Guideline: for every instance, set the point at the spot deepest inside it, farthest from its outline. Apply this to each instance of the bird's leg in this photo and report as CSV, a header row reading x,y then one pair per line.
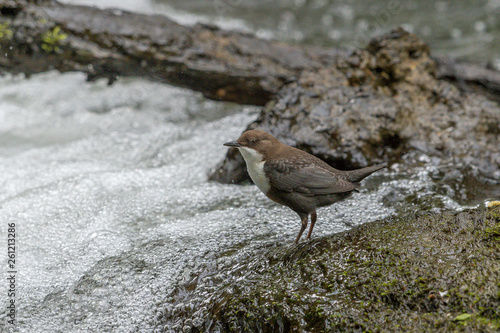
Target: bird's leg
x,y
313,220
304,225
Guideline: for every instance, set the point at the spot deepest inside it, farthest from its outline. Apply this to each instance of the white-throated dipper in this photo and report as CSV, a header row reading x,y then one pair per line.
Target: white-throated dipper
x,y
294,178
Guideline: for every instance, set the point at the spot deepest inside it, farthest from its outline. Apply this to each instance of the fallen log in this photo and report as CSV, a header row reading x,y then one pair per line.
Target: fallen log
x,y
469,76
227,66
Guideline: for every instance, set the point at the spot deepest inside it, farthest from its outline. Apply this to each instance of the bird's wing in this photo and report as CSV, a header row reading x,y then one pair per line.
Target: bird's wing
x,y
308,179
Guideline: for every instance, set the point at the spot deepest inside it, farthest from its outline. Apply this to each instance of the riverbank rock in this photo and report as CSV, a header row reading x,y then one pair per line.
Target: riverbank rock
x,y
426,272
385,104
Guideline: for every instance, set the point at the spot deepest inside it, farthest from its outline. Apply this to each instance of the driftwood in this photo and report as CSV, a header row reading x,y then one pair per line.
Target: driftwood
x,y
228,66
37,36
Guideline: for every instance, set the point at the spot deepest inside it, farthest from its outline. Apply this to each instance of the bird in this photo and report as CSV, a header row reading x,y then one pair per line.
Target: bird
x,y
295,178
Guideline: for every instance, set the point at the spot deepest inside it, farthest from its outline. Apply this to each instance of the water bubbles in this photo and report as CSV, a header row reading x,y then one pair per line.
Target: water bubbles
x,y
441,6
494,4
335,34
346,12
327,20
362,25
113,198
408,27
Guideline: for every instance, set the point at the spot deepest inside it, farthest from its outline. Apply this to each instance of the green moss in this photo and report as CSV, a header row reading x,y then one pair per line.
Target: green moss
x,y
493,232
52,39
423,273
493,324
5,32
463,316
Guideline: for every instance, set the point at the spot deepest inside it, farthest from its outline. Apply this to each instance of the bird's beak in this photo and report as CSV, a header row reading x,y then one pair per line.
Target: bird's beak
x,y
234,144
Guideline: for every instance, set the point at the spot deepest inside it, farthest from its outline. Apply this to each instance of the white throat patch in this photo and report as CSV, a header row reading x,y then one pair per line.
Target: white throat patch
x,y
255,167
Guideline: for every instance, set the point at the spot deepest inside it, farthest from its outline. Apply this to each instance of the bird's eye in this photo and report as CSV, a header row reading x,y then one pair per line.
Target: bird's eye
x,y
253,141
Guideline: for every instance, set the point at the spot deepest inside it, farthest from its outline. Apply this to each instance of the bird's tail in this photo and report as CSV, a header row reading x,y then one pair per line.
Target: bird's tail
x,y
355,176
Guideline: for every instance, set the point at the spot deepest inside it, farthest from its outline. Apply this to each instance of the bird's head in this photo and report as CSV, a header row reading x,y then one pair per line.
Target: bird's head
x,y
255,143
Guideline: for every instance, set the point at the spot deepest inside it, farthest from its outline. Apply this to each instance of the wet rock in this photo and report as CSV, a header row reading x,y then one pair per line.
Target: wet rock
x,y
383,104
426,272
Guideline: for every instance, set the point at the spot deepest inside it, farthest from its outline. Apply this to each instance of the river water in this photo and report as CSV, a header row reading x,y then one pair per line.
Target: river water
x,y
460,28
107,187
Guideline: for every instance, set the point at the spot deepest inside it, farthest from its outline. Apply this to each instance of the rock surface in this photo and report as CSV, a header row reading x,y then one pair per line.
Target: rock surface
x,y
427,272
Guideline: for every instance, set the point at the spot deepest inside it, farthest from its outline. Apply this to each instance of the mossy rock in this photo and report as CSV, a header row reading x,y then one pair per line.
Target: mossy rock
x,y
430,272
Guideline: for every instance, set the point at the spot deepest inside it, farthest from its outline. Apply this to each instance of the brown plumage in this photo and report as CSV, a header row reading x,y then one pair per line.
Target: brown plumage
x,y
294,178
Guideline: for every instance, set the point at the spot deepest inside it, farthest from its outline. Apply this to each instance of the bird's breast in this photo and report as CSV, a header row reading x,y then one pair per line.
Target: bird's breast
x,y
256,172
255,168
